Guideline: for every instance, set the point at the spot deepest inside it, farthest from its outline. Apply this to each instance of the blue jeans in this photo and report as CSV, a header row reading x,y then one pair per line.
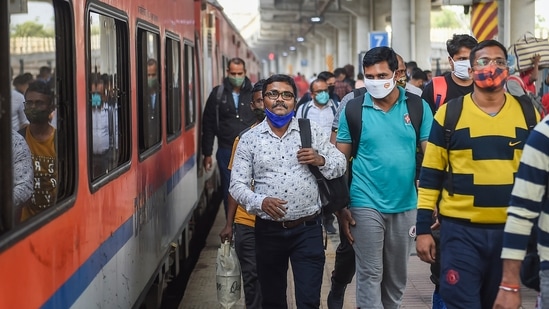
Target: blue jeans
x,y
223,156
471,266
303,247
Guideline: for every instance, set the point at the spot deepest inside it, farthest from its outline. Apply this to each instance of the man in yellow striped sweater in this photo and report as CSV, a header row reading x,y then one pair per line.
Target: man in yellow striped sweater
x,y
471,183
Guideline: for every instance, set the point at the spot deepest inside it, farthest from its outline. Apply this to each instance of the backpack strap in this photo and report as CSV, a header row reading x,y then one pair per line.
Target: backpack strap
x,y
453,112
359,91
439,90
414,104
305,110
528,109
353,113
218,95
305,132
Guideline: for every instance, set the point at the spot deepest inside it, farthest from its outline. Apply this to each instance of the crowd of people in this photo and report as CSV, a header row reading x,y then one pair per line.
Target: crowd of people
x,y
454,165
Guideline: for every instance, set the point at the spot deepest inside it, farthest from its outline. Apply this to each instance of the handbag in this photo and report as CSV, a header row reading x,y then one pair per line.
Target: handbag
x,y
334,193
227,276
525,48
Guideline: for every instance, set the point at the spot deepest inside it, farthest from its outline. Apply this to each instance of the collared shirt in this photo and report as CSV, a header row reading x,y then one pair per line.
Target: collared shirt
x,y
384,167
323,116
271,162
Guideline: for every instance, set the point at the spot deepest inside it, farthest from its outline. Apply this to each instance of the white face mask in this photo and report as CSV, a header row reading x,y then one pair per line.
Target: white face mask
x,y
379,88
461,69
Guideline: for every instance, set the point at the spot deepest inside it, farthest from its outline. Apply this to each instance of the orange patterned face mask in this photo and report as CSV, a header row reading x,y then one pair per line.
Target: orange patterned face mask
x,y
490,77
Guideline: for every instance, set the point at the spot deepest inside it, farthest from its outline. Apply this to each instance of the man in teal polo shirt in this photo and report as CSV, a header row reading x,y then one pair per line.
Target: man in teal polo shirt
x,y
383,192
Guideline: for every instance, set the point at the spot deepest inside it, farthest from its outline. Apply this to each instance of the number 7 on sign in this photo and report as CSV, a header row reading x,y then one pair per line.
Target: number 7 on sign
x,y
378,39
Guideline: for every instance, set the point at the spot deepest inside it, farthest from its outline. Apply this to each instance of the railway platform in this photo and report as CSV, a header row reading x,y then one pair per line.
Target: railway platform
x,y
201,288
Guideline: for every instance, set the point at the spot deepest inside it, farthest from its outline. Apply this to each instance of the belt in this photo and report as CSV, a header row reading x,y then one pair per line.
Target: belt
x,y
290,224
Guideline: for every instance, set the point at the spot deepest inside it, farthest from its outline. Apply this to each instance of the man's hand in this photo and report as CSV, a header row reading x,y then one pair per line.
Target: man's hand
x,y
226,233
507,300
435,225
274,207
310,156
207,163
536,59
425,247
345,221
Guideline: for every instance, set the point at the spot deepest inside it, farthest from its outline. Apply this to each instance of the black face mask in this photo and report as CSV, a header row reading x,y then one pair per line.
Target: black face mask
x,y
331,90
259,114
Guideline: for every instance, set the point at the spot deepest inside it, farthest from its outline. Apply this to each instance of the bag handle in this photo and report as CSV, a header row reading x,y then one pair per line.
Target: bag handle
x,y
524,38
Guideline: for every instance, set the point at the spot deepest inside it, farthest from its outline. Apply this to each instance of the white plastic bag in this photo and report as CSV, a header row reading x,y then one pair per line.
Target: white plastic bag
x,y
227,276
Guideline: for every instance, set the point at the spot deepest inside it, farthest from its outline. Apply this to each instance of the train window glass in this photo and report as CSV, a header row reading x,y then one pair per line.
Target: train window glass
x,y
173,86
148,89
190,91
42,100
108,123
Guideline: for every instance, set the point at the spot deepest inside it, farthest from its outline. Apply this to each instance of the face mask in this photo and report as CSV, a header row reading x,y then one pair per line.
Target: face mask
x,y
331,89
401,82
37,116
236,81
379,88
322,98
490,77
95,100
461,69
153,82
278,121
259,114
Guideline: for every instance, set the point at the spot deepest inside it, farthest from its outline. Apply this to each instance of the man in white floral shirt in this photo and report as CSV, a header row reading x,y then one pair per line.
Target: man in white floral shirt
x,y
285,197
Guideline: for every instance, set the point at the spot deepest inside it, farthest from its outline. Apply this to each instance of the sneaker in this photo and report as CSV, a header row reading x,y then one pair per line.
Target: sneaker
x,y
438,303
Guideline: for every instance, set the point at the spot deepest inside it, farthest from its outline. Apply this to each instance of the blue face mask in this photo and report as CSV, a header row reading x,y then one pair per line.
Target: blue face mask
x,y
95,100
322,98
276,120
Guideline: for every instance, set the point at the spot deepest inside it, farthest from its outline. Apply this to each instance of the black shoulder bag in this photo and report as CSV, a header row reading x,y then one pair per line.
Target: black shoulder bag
x,y
334,193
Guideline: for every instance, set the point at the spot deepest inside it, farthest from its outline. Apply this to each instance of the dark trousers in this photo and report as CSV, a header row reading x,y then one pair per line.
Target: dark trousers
x,y
471,265
223,156
244,239
344,266
303,247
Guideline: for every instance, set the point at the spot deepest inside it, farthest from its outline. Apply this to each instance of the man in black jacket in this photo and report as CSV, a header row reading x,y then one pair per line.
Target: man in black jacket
x,y
226,114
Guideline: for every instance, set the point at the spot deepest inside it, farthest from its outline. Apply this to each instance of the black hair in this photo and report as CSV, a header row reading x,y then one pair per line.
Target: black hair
x,y
314,82
236,61
258,86
458,41
484,44
22,79
325,75
41,87
44,70
279,78
380,54
339,71
411,64
417,73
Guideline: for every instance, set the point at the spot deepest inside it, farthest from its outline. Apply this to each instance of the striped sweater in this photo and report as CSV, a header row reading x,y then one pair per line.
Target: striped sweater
x,y
529,199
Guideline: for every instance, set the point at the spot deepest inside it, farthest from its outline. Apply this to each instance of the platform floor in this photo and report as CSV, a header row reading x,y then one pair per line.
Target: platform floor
x,y
201,289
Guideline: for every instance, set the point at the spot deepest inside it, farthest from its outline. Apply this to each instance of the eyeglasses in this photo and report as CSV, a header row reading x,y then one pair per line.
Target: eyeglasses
x,y
35,103
499,62
273,95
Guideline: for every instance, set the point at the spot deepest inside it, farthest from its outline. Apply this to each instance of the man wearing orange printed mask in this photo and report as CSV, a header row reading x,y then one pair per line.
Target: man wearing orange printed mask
x,y
470,177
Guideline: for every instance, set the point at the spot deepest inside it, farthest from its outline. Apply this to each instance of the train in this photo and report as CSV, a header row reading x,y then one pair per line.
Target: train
x,y
129,80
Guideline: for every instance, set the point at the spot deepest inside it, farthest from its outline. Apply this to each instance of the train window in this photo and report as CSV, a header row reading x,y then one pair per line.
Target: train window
x,y
42,97
148,72
109,142
190,91
173,86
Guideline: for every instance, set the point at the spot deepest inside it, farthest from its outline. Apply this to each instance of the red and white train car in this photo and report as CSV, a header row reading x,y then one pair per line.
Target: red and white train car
x,y
129,78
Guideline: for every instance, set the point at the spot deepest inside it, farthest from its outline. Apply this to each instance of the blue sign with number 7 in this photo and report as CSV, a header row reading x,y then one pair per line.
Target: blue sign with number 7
x,y
378,39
